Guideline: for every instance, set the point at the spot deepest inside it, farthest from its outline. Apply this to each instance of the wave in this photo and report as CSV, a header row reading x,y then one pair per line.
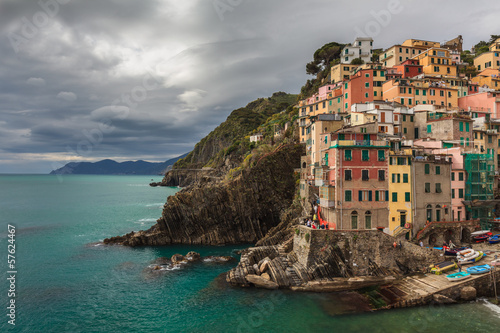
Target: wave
x,y
491,306
147,220
156,205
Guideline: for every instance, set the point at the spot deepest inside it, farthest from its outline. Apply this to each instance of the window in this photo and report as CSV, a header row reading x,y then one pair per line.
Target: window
x,y
427,169
460,176
381,175
347,155
381,155
348,196
461,126
427,187
367,95
453,193
438,187
393,177
394,196
429,128
367,84
417,92
364,175
405,178
461,193
461,141
365,156
429,213
348,174
368,220
354,220
407,196
490,138
365,195
452,176
438,170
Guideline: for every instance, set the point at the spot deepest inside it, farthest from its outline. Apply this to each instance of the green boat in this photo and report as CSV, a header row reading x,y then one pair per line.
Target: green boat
x,y
458,276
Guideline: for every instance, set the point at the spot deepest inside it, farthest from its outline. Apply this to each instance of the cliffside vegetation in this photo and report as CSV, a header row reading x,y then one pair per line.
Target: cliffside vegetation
x,y
228,144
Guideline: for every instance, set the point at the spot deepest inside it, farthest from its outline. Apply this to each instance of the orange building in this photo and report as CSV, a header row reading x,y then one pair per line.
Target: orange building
x,y
364,86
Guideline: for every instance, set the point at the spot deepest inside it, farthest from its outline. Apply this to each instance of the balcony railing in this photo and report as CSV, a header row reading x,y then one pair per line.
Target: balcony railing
x,y
360,143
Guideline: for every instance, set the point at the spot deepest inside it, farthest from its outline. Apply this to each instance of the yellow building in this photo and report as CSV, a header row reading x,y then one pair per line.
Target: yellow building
x,y
437,61
400,191
489,59
489,77
396,54
341,72
420,44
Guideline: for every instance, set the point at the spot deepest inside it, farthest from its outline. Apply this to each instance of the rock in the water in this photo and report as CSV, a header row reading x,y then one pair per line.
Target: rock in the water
x,y
266,276
218,259
256,269
177,258
441,299
261,282
192,256
468,293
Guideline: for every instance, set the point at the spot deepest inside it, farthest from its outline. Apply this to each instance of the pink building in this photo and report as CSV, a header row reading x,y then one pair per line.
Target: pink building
x,y
481,103
458,176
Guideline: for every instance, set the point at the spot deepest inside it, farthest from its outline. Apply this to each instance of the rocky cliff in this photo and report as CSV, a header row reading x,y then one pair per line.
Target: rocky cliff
x,y
238,210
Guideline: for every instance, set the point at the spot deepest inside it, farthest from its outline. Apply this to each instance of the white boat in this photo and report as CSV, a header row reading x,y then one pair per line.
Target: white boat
x,y
479,233
466,253
470,260
495,262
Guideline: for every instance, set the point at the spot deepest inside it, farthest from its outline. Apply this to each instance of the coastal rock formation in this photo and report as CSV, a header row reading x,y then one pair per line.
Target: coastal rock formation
x,y
241,210
328,260
186,177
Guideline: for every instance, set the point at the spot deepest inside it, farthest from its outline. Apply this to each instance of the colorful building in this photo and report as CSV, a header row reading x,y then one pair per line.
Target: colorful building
x,y
362,47
358,171
364,86
400,191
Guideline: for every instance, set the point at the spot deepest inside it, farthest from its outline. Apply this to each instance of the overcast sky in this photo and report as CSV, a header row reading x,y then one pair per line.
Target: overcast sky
x,y
128,79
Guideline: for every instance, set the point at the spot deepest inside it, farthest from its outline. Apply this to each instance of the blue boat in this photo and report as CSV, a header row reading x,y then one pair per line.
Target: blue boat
x,y
480,269
494,239
458,276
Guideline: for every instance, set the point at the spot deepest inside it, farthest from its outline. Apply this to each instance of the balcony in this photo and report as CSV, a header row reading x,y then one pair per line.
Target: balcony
x,y
360,143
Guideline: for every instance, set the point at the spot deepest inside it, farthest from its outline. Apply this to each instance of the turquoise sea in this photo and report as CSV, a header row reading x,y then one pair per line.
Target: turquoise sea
x,y
67,283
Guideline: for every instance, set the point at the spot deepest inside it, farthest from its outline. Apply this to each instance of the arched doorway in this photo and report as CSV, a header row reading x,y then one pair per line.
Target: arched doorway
x,y
438,212
368,219
429,213
433,239
465,236
354,220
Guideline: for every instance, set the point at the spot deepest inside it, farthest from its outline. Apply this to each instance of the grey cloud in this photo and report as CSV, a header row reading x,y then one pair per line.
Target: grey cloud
x,y
164,73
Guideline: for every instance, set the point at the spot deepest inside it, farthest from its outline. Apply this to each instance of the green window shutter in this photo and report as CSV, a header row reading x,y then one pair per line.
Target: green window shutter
x,y
393,177
460,193
407,196
453,193
466,127
461,126
394,196
365,155
429,128
347,154
399,178
376,196
438,170
405,178
427,169
386,195
360,195
381,155
348,195
460,176
467,142
461,141
369,195
452,176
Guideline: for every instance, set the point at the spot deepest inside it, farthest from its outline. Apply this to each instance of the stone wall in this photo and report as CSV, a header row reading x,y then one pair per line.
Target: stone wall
x,y
359,253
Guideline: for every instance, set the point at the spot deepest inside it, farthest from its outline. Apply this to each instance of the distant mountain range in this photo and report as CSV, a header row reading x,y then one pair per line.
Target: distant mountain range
x,y
110,167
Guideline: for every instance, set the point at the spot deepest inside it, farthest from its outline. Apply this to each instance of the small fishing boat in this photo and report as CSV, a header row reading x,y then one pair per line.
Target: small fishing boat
x,y
453,252
495,262
480,232
443,267
458,276
465,253
481,236
480,269
494,239
478,255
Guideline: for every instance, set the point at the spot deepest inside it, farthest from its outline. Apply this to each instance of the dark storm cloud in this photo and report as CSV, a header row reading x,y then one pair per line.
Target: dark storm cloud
x,y
128,79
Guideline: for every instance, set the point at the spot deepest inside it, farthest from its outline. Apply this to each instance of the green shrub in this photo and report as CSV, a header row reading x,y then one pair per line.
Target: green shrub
x,y
308,237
